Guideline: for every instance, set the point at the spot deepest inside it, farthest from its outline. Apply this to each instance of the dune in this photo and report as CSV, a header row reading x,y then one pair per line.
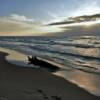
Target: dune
x,y
23,83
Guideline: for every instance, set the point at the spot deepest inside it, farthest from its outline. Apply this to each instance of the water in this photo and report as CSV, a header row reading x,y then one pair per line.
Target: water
x,y
80,56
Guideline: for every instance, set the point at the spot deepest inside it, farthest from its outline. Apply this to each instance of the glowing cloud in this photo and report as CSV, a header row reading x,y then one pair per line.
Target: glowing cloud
x,y
18,25
21,18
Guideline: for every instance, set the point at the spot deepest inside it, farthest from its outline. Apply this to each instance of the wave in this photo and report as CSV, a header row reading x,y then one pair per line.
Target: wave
x,y
48,49
81,42
55,50
60,50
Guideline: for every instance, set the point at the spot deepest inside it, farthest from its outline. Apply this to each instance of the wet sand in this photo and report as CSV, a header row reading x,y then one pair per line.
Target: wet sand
x,y
21,83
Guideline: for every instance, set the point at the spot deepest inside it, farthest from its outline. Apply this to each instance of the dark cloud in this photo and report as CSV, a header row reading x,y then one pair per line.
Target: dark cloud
x,y
78,19
79,31
61,23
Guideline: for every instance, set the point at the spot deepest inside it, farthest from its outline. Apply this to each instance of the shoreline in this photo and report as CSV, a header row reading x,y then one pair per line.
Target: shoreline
x,y
22,83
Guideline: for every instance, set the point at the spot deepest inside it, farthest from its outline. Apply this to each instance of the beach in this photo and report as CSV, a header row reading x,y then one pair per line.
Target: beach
x,y
23,83
49,49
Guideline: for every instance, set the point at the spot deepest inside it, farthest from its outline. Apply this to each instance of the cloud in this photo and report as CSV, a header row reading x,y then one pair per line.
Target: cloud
x,y
78,25
85,7
78,19
19,25
79,31
21,18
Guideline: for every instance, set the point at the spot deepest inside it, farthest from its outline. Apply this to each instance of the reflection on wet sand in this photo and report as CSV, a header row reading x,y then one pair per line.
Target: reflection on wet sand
x,y
16,58
87,81
14,54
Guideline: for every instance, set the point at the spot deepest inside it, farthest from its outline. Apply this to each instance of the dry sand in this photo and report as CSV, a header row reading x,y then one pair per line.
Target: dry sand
x,y
20,83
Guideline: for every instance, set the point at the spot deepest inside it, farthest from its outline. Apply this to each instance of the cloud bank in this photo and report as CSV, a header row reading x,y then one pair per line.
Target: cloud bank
x,y
19,25
79,25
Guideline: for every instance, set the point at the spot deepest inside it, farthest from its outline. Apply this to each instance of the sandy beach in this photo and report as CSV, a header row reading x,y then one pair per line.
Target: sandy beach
x,y
22,83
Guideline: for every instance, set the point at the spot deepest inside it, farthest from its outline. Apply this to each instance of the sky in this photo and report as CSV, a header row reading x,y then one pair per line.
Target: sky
x,y
40,17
